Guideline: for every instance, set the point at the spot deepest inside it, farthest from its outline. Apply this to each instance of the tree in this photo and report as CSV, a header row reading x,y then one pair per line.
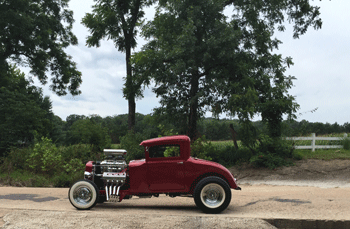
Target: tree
x,y
24,112
118,20
87,131
202,60
35,33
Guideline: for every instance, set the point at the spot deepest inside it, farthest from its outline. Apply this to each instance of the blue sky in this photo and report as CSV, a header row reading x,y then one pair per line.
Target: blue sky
x,y
321,61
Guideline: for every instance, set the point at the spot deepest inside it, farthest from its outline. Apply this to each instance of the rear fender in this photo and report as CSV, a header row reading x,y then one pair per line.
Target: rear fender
x,y
195,182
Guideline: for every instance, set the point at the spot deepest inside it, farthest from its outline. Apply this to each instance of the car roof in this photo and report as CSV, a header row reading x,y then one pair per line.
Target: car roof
x,y
166,140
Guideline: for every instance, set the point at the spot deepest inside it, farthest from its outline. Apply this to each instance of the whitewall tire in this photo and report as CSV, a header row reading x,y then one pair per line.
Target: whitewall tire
x,y
212,194
83,194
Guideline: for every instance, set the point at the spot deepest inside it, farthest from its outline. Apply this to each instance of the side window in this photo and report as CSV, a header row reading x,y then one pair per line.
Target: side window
x,y
164,151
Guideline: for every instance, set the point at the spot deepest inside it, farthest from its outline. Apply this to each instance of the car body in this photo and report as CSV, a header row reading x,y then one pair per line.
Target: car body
x,y
168,168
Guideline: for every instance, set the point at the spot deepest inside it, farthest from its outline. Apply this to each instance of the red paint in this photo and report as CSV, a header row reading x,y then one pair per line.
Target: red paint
x,y
88,166
178,174
172,174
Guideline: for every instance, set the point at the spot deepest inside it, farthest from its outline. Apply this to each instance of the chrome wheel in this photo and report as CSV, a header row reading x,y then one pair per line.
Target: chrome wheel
x,y
82,195
212,195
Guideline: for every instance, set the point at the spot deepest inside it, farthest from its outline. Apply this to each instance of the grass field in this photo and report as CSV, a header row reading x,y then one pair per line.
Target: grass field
x,y
324,154
321,154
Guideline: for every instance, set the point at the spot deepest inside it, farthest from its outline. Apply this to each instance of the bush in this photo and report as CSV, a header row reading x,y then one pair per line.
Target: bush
x,y
267,160
131,143
87,131
84,152
272,153
16,159
346,143
44,157
45,165
226,154
66,180
201,148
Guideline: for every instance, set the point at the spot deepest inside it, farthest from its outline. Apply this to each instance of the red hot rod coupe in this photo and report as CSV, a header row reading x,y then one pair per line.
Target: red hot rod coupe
x,y
167,169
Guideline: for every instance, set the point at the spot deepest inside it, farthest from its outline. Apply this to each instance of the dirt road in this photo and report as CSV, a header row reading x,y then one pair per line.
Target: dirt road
x,y
50,208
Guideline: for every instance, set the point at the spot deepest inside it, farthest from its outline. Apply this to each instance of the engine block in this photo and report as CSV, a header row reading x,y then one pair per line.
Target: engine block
x,y
112,172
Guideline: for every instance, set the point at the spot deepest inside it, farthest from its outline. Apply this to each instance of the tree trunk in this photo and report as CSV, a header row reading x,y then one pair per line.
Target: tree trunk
x,y
193,116
132,112
130,91
234,135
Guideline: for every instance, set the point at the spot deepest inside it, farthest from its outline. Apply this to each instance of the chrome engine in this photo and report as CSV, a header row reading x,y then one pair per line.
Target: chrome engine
x,y
112,172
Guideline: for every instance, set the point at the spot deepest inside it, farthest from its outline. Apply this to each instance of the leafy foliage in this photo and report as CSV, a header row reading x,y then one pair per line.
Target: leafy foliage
x,y
44,157
131,143
35,33
272,153
201,148
87,131
44,164
201,60
24,111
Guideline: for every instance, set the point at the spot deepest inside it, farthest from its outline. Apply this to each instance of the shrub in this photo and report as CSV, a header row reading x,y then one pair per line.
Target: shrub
x,y
226,154
201,148
16,159
272,153
346,143
84,152
44,157
86,131
66,180
267,160
131,143
44,164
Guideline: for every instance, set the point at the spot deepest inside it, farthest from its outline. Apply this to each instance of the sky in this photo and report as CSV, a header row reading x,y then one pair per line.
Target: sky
x,y
321,65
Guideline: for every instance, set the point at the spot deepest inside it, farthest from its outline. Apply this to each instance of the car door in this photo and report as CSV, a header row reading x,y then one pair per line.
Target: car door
x,y
165,169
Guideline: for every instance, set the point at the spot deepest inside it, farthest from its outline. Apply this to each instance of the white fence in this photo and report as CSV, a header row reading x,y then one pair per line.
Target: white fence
x,y
313,139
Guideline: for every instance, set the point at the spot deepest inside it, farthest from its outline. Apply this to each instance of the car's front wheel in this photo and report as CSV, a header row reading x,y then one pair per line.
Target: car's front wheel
x,y
212,194
83,194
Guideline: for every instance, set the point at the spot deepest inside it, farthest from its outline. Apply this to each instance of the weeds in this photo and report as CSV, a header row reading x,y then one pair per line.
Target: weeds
x,y
346,143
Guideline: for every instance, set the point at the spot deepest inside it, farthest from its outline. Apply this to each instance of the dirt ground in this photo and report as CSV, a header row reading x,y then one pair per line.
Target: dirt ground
x,y
319,173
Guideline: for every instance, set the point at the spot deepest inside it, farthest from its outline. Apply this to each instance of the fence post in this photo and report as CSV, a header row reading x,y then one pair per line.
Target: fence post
x,y
313,141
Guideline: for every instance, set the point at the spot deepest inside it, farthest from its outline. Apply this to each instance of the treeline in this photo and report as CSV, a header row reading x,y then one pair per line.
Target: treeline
x,y
304,128
103,131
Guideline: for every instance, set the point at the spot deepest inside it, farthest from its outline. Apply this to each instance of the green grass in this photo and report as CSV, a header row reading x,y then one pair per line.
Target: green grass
x,y
321,154
324,154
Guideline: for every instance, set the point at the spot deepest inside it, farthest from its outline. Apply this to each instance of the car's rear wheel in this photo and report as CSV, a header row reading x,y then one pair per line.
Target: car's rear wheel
x,y
83,194
212,194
